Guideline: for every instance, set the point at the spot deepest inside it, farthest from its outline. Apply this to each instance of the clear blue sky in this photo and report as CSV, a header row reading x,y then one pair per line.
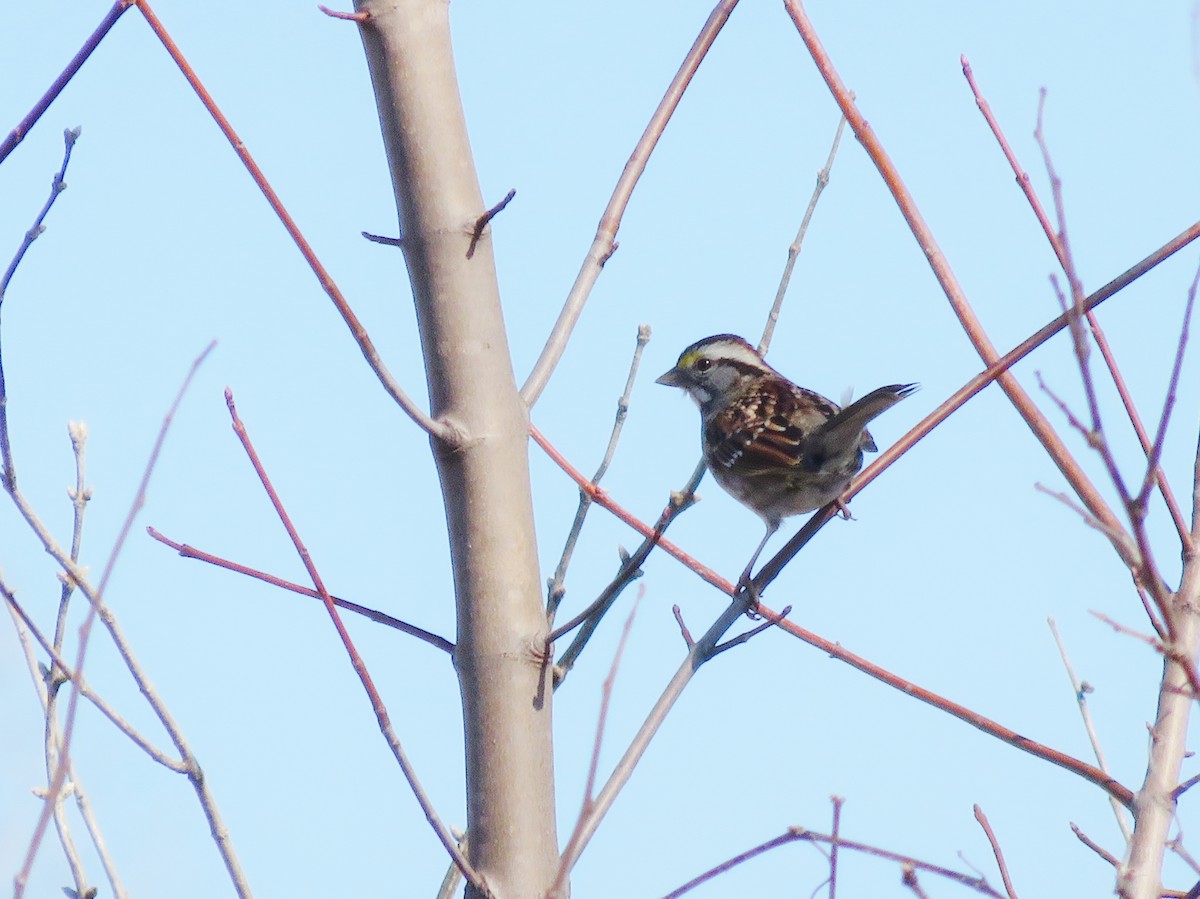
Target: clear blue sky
x,y
162,243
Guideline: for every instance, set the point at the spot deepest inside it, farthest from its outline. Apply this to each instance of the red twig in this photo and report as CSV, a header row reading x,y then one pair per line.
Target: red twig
x,y
360,668
190,552
435,428
601,498
1020,399
683,628
359,17
1023,180
991,836
770,570
1095,847
837,651
1161,646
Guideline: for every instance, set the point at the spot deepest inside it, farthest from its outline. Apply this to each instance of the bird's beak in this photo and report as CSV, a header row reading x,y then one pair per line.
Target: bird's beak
x,y
670,379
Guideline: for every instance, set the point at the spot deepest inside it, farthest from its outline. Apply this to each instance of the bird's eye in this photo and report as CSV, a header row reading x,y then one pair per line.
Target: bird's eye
x,y
703,364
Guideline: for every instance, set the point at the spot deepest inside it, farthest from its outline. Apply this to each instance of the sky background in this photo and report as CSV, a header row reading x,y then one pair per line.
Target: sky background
x,y
946,576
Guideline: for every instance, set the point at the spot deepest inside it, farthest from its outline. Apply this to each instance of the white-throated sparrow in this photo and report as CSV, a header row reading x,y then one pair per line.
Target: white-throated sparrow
x,y
777,448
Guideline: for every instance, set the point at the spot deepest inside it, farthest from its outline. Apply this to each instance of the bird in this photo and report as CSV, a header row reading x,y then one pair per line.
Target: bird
x,y
777,448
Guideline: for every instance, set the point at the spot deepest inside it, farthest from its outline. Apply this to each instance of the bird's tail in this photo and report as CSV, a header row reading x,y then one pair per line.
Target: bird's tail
x,y
841,434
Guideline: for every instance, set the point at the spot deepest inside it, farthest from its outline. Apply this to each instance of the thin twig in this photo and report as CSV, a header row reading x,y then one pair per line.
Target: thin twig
x,y
771,621
1022,402
1184,662
1186,785
57,185
8,470
800,834
835,835
683,628
1139,428
190,552
556,589
1155,453
996,851
386,241
94,596
835,650
794,250
43,678
605,240
1147,572
623,770
1015,739
1176,846
559,887
360,17
601,498
18,133
441,430
1060,251
996,367
483,221
360,668
1119,536
1081,690
1094,846
59,664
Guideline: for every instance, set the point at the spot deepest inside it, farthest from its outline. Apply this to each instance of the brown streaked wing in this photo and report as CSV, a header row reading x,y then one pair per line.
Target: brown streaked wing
x,y
760,432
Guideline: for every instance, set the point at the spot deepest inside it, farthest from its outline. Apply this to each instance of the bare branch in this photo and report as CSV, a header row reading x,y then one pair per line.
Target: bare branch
x,y
59,664
1162,647
602,499
771,569
386,241
683,628
557,587
360,668
1081,690
1057,245
800,834
836,834
57,185
772,621
442,430
559,887
1094,846
360,17
94,595
190,552
794,250
18,133
996,851
696,656
1153,468
8,471
1021,401
605,241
